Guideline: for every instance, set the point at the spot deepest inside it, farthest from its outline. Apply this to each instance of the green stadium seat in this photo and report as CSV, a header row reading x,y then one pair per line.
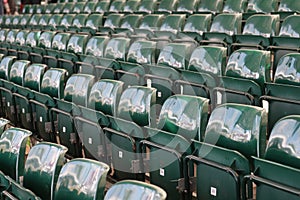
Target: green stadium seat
x,y
171,25
31,42
3,45
132,189
76,45
245,76
148,25
8,22
59,45
42,167
234,6
19,42
195,26
260,6
257,31
102,7
24,20
281,98
128,24
206,65
78,7
78,22
115,51
187,7
189,121
166,153
32,9
234,133
116,6
50,8
208,6
95,48
65,22
6,89
136,109
40,9
16,20
34,21
78,172
44,42
26,9
92,24
223,29
287,39
131,6
9,40
112,21
277,173
103,100
167,6
132,71
68,8
288,7
172,58
27,78
76,93
90,7
147,6
12,150
52,86
44,21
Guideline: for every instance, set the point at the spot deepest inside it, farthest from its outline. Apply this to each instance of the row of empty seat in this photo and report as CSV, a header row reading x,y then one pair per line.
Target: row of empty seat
x,y
284,7
234,131
46,175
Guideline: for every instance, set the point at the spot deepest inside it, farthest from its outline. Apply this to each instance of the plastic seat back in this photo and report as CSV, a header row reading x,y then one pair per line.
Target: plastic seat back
x,y
102,6
42,167
175,55
78,7
197,23
132,189
96,46
263,25
79,20
89,7
18,70
210,6
184,115
283,158
131,6
173,23
34,75
167,6
261,6
68,8
45,40
136,105
187,7
32,38
208,59
105,95
142,52
230,24
5,66
12,150
131,21
113,20
117,48
77,43
60,41
116,6
234,6
77,89
55,20
289,27
238,127
151,22
147,6
78,172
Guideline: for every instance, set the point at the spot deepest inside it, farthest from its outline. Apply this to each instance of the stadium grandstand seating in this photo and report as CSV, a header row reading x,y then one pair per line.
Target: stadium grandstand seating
x,y
150,99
